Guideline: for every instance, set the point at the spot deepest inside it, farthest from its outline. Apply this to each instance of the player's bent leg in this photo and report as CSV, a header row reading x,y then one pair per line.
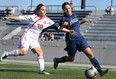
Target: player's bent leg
x,y
6,54
95,62
22,52
89,53
13,53
63,59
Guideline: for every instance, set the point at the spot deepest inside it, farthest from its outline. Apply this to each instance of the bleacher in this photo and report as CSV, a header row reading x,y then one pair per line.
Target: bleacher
x,y
17,22
2,13
3,28
104,29
54,16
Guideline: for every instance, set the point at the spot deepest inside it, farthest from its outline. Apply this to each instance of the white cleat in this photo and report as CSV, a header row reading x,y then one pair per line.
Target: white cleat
x,y
3,56
44,72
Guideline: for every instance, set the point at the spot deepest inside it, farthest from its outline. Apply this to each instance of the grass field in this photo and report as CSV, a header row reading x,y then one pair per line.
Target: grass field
x,y
30,71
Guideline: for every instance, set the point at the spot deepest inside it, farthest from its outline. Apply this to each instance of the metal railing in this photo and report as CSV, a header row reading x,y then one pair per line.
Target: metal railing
x,y
58,8
4,7
93,8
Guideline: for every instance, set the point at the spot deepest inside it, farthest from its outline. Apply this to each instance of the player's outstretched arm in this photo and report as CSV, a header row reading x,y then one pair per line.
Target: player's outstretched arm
x,y
10,18
85,20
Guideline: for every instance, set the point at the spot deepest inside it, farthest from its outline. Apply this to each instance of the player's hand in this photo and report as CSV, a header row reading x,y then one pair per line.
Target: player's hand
x,y
89,20
4,18
72,32
64,24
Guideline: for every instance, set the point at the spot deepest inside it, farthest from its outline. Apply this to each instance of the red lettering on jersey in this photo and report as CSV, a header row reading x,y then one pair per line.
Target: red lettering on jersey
x,y
40,25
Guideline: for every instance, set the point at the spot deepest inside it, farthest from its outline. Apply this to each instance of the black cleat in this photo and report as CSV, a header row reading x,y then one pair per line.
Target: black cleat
x,y
55,63
104,72
4,56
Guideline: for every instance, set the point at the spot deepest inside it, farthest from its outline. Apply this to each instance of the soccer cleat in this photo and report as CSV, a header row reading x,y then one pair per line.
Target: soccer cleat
x,y
44,72
3,56
104,72
55,63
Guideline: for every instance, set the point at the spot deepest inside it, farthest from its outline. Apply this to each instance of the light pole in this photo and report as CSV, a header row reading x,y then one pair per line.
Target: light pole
x,y
111,2
83,4
31,3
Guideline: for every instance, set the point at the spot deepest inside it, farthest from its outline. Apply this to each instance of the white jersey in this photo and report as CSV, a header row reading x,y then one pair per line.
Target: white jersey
x,y
35,27
36,24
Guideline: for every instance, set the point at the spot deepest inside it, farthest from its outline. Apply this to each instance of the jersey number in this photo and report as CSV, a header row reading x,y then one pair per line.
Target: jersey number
x,y
40,25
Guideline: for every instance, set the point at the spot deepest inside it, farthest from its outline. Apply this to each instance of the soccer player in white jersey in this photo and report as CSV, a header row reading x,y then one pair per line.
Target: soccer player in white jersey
x,y
37,23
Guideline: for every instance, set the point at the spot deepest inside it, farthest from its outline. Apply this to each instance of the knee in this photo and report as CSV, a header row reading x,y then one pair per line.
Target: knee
x,y
89,53
21,53
91,56
38,51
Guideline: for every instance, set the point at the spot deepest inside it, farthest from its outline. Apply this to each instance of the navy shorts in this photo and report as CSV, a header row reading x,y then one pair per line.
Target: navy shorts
x,y
78,44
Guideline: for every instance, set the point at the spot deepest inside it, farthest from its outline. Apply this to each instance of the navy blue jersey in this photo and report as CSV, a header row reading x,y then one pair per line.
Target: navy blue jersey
x,y
73,25
74,42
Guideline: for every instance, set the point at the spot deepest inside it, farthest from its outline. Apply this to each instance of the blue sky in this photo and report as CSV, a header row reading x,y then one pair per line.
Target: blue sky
x,y
23,4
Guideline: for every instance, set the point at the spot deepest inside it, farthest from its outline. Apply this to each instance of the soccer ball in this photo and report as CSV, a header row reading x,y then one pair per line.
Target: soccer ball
x,y
90,73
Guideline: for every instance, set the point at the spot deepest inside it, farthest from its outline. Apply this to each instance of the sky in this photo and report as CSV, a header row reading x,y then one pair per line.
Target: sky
x,y
23,4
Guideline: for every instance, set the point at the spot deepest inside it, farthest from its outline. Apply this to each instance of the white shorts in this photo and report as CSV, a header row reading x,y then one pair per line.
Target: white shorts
x,y
27,41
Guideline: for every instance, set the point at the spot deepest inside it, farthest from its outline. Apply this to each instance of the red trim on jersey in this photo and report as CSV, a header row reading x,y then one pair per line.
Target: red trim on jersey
x,y
29,28
36,17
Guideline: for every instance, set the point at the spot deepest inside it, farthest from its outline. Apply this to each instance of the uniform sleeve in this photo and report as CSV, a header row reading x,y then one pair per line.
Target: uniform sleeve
x,y
25,17
54,26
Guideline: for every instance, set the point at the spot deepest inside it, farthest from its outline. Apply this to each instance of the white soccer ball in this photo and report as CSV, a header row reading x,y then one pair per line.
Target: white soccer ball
x,y
90,73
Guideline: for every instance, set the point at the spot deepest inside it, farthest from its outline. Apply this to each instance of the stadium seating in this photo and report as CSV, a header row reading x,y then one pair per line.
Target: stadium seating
x,y
54,16
3,28
16,22
104,29
2,13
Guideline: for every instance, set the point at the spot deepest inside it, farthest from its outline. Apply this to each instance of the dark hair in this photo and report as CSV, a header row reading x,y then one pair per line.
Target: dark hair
x,y
65,3
38,8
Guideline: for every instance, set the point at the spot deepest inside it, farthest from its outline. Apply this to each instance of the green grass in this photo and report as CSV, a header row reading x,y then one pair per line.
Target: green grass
x,y
30,71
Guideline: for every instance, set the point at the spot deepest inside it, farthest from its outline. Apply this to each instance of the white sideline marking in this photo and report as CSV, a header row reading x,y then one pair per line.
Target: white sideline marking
x,y
50,64
49,69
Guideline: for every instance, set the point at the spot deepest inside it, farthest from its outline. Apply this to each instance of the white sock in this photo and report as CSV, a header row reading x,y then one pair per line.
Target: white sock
x,y
41,63
12,53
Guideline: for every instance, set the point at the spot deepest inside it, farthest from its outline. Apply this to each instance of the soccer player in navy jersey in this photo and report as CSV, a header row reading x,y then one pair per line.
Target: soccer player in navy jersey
x,y
77,41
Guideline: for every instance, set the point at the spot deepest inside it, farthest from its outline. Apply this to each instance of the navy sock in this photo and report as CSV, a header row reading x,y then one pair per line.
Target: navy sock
x,y
96,64
62,59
